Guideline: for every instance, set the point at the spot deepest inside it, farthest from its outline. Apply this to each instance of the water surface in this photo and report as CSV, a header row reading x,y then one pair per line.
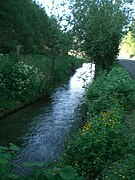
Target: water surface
x,y
40,129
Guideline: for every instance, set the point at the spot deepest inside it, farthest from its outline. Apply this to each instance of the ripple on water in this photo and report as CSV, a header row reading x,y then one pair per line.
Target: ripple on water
x,y
40,129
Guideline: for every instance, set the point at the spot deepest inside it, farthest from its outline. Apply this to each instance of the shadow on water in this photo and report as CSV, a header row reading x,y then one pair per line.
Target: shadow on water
x,y
40,129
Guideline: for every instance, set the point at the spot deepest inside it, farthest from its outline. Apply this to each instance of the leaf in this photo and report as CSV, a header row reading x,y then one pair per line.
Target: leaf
x,y
57,177
42,177
36,173
49,175
56,169
29,178
68,173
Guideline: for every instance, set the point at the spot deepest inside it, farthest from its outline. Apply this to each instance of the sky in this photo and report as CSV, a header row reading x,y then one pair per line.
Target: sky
x,y
49,5
53,7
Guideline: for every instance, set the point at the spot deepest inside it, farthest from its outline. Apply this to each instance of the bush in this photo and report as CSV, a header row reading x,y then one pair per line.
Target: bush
x,y
122,169
28,79
99,140
6,154
109,89
39,172
20,82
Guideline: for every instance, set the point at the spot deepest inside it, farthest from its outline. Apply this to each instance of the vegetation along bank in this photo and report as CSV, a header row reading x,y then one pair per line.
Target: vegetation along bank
x,y
103,148
25,80
33,54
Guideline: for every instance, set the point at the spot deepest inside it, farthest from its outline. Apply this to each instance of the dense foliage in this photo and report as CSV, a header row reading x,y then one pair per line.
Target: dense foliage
x,y
24,81
56,173
103,142
133,29
110,89
98,27
25,28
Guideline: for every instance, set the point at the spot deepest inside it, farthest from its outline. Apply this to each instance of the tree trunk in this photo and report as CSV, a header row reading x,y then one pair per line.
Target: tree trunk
x,y
97,69
53,61
18,49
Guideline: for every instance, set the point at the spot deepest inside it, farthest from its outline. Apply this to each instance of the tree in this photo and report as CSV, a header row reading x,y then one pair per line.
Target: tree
x,y
133,30
59,41
98,28
23,23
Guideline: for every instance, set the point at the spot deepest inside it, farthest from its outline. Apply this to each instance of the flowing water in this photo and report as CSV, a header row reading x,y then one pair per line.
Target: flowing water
x,y
40,130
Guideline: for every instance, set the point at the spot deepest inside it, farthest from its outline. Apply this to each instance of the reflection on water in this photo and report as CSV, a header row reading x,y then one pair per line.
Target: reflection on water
x,y
40,130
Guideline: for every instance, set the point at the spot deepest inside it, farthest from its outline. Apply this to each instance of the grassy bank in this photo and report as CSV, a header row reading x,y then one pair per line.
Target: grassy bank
x,y
104,148
24,80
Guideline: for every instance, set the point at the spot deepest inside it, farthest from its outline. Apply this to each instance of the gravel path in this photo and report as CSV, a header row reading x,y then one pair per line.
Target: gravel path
x,y
129,66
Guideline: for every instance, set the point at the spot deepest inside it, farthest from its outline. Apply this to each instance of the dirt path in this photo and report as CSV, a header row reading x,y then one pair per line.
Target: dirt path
x,y
129,66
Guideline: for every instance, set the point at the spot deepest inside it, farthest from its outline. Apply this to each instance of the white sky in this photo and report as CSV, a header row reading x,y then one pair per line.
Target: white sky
x,y
53,7
56,9
49,5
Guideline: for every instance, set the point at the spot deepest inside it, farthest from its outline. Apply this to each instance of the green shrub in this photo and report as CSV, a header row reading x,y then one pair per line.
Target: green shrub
x,y
122,169
20,82
6,154
110,88
39,172
24,80
99,140
56,173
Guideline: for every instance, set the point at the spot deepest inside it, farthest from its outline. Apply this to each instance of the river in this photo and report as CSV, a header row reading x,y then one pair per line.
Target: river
x,y
40,129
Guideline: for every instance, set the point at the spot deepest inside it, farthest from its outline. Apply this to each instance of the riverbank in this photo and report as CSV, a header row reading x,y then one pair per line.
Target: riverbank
x,y
25,80
104,147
